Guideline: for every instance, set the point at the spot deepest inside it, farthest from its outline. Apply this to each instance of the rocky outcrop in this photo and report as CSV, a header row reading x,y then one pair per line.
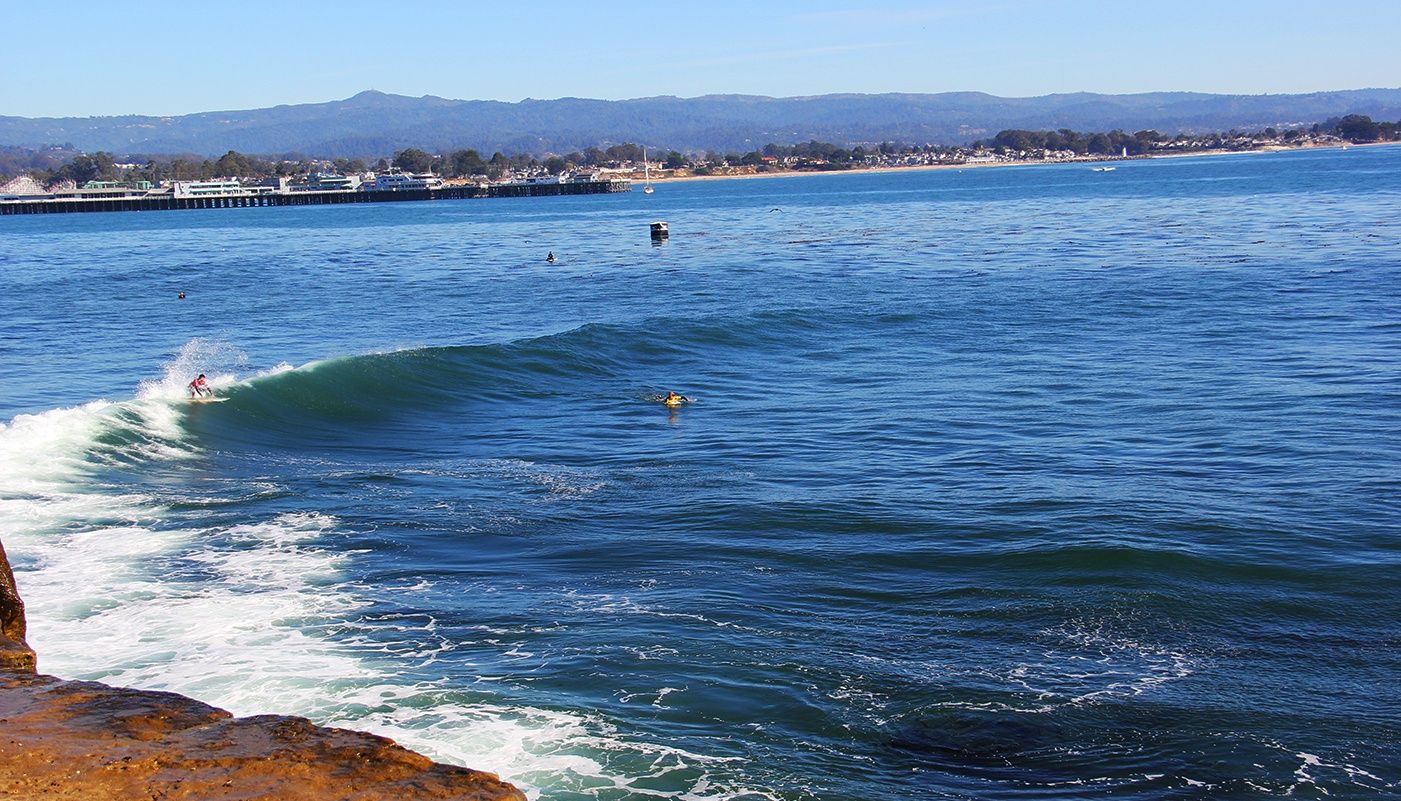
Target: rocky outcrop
x,y
62,740
83,740
15,653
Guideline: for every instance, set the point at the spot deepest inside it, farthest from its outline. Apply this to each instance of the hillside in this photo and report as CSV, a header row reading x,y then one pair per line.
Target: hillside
x,y
373,123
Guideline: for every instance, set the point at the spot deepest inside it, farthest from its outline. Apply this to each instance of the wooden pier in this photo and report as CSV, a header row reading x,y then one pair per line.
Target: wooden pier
x,y
250,200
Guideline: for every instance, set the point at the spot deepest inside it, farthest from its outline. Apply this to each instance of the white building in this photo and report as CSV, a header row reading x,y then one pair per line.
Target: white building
x,y
400,182
207,188
320,182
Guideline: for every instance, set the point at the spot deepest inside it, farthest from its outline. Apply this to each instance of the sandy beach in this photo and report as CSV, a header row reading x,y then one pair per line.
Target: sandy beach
x,y
989,164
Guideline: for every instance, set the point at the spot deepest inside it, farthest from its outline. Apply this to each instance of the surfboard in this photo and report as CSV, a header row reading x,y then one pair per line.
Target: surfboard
x,y
206,400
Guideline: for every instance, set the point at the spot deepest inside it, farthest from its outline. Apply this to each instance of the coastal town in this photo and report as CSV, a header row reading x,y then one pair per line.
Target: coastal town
x,y
99,182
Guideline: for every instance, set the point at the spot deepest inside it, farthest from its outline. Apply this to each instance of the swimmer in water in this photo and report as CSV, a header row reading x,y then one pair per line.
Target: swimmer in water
x,y
672,399
550,257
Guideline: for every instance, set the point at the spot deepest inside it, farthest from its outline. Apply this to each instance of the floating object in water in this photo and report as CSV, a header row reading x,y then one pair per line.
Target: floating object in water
x,y
550,257
672,400
181,296
659,230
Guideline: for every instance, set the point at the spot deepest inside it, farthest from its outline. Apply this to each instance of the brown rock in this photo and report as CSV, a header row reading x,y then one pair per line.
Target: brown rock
x,y
15,653
83,740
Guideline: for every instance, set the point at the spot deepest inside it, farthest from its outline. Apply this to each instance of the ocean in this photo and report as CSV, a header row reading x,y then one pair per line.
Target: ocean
x,y
1023,483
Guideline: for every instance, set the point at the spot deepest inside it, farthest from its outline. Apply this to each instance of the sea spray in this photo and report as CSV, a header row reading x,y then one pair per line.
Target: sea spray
x,y
220,361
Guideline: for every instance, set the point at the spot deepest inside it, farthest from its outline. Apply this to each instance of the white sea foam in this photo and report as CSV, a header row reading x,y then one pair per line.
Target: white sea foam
x,y
1314,771
1089,661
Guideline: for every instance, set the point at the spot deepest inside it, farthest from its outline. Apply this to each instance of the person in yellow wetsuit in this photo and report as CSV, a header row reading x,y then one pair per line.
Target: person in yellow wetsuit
x,y
673,400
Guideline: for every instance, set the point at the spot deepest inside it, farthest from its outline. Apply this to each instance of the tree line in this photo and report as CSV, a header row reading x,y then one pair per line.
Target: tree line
x,y
816,155
104,166
1359,129
47,168
467,163
1355,128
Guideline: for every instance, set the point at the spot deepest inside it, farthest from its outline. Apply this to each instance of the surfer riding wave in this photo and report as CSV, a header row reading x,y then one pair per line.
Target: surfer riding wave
x,y
199,388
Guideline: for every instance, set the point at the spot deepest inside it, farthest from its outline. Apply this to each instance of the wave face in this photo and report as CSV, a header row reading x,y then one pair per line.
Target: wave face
x,y
999,484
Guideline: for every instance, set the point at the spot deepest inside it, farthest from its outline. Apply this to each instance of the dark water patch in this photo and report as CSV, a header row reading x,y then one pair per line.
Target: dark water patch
x,y
1133,751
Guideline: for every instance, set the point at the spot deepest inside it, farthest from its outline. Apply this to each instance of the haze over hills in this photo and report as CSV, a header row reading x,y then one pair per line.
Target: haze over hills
x,y
373,124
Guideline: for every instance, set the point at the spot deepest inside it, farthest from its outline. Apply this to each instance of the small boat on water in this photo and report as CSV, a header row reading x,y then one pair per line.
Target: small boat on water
x,y
1103,169
659,230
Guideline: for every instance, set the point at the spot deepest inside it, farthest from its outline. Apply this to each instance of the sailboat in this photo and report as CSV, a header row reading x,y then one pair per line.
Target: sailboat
x,y
646,174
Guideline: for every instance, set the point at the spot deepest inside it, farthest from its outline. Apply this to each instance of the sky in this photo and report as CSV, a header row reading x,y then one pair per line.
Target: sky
x,y
162,57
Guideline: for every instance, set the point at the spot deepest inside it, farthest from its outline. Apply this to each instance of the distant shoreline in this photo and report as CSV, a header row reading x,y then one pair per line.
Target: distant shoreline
x,y
1110,160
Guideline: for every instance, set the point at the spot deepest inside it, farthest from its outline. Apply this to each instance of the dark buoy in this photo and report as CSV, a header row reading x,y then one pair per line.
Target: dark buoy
x,y
181,296
659,230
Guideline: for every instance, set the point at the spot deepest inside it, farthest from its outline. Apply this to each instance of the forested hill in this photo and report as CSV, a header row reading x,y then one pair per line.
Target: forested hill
x,y
375,124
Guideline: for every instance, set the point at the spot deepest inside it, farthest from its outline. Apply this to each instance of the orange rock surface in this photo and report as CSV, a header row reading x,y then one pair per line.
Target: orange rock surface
x,y
15,654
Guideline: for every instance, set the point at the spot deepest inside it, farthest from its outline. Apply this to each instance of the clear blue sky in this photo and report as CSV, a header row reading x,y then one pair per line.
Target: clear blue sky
x,y
166,57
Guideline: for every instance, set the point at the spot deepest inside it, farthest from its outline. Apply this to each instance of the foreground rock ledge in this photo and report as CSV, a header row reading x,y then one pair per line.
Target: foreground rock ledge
x,y
63,740
83,740
15,654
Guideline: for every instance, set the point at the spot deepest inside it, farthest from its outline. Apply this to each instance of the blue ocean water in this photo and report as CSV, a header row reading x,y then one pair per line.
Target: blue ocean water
x,y
1011,483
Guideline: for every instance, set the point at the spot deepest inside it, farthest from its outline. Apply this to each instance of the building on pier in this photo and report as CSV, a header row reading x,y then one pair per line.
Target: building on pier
x,y
266,195
399,182
208,188
319,182
144,186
